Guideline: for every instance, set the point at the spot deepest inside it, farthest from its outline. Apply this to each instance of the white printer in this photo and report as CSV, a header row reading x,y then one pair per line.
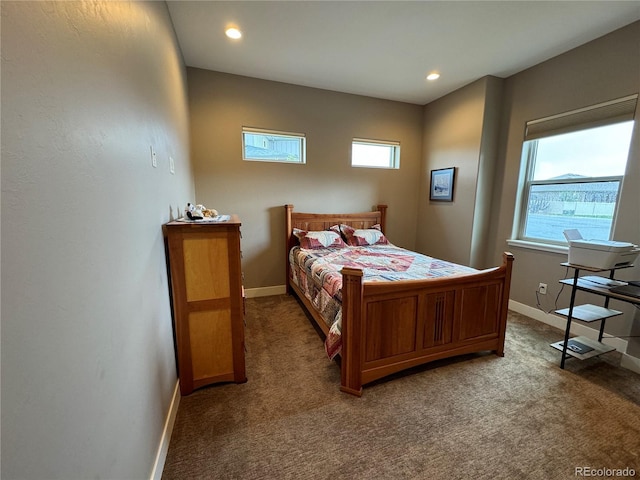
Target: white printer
x,y
604,254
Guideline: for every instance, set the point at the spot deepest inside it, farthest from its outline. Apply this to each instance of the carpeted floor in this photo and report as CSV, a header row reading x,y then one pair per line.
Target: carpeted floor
x,y
473,417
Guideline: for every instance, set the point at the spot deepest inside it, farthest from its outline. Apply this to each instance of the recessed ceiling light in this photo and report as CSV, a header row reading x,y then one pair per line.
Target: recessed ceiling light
x,y
233,32
433,76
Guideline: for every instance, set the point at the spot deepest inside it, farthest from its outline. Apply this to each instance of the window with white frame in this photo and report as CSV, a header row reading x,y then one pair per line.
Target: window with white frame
x,y
375,153
574,164
272,146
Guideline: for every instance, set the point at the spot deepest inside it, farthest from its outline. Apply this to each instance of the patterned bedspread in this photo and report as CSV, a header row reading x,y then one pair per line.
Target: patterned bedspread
x,y
317,273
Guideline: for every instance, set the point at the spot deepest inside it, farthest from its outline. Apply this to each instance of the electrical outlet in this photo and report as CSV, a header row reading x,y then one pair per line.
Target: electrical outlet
x,y
542,288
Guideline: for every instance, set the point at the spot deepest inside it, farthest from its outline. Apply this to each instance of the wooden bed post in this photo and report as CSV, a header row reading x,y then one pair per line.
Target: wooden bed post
x,y
507,261
383,217
352,340
287,246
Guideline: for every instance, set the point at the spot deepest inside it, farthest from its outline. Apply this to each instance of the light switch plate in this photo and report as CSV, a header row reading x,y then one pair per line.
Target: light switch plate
x,y
154,158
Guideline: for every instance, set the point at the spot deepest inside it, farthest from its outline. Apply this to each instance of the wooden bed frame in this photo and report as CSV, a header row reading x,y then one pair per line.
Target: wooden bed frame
x,y
388,327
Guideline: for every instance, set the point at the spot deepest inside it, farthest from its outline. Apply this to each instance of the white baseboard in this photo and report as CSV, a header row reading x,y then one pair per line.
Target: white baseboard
x,y
161,456
630,363
265,291
560,322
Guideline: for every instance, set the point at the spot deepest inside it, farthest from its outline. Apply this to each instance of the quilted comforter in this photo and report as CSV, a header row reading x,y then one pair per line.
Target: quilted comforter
x,y
317,273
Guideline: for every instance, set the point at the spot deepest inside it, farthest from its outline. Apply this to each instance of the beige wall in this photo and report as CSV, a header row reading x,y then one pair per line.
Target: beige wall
x,y
460,130
463,129
221,104
87,351
88,367
604,69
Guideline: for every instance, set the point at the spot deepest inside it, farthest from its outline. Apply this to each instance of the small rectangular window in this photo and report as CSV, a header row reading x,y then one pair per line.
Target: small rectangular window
x,y
271,146
375,153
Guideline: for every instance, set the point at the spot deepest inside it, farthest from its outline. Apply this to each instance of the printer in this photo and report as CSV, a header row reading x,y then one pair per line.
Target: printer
x,y
603,254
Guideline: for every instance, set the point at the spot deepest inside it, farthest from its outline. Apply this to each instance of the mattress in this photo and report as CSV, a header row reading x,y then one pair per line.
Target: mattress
x,y
317,273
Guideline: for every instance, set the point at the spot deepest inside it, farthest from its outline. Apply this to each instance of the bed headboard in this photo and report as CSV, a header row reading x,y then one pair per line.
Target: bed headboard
x,y
322,221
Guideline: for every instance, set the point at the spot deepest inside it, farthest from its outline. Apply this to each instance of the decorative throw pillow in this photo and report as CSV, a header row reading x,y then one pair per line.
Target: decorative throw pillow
x,y
312,240
364,237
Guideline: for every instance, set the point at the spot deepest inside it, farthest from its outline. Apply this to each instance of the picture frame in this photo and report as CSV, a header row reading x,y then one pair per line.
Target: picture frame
x,y
442,183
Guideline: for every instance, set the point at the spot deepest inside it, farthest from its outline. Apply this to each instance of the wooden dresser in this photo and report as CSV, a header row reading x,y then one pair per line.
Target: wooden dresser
x,y
208,310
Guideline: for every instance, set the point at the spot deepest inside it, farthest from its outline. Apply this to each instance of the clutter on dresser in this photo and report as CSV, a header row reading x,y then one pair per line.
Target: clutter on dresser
x,y
200,213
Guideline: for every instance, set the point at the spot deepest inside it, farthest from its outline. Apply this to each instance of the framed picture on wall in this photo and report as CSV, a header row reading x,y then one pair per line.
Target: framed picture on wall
x,y
442,182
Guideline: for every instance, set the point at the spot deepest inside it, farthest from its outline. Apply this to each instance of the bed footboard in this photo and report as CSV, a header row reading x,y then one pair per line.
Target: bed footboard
x,y
389,327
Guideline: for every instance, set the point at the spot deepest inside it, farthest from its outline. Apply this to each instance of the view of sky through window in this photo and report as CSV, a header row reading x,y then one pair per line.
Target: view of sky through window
x,y
374,155
596,152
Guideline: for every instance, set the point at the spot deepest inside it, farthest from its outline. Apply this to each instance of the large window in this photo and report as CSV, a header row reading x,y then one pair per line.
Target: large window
x,y
574,166
272,146
375,153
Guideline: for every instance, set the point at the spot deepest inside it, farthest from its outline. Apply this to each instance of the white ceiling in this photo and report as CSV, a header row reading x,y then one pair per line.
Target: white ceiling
x,y
385,49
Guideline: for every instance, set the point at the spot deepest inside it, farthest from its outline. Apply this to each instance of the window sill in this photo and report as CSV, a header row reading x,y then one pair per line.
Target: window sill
x,y
539,246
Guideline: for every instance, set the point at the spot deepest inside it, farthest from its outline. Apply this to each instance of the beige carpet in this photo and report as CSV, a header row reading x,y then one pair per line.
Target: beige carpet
x,y
474,417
